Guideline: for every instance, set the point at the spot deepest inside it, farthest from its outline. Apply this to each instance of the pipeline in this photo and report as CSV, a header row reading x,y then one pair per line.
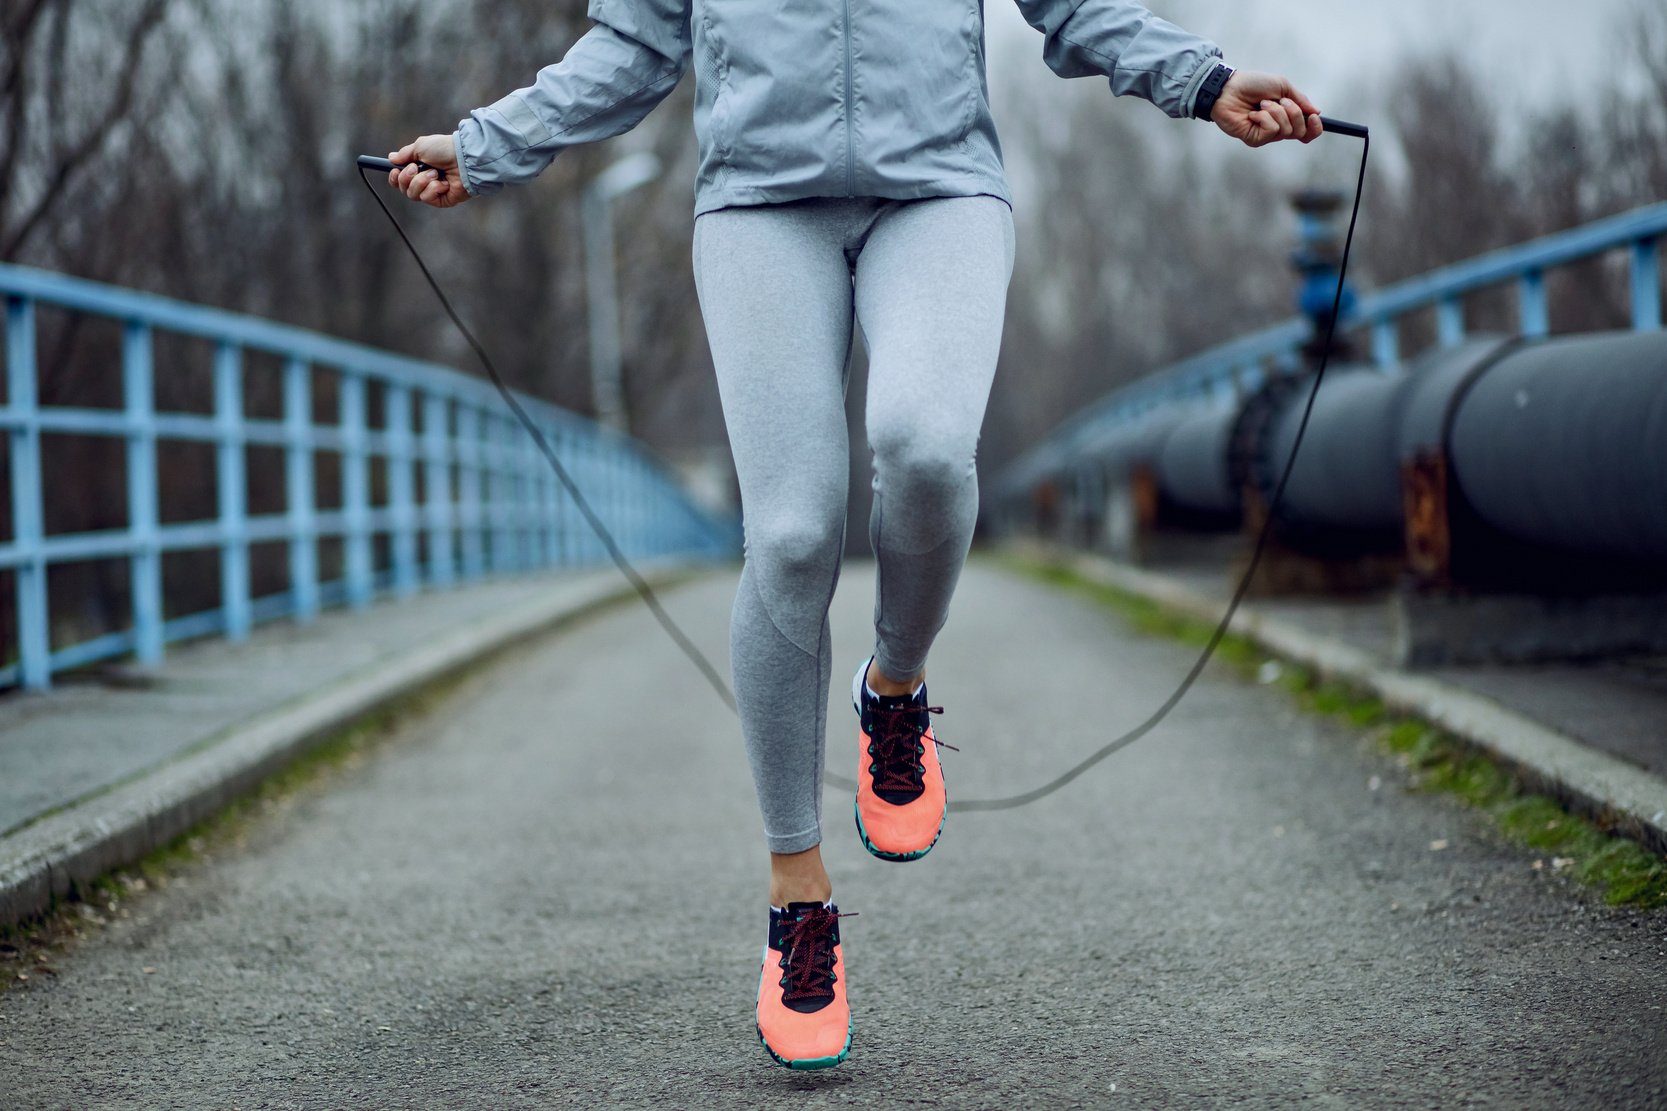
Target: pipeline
x,y
1194,469
1495,461
1555,462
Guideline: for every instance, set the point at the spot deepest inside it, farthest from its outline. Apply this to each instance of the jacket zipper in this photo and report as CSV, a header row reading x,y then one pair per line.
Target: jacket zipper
x,y
850,143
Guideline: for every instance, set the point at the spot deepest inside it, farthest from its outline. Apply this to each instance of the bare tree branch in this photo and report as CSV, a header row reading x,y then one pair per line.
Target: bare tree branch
x,y
71,162
16,35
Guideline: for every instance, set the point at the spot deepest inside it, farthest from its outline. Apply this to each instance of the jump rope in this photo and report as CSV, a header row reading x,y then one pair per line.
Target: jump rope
x,y
711,673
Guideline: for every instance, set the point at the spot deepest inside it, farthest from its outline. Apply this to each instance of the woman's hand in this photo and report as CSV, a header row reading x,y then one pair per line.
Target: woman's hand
x,y
428,186
1262,108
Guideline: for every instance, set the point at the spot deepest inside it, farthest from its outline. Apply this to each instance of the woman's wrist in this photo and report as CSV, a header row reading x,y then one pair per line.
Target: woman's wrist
x,y
462,168
1209,91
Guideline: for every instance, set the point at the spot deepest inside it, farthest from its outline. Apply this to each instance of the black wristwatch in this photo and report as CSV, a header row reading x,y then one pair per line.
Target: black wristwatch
x,y
1210,91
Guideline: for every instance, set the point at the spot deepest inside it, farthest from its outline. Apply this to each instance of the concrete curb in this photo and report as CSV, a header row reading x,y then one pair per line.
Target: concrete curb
x,y
45,861
1621,797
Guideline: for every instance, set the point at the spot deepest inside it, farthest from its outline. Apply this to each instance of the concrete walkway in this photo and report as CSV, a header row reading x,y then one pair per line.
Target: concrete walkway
x,y
1591,734
549,893
108,766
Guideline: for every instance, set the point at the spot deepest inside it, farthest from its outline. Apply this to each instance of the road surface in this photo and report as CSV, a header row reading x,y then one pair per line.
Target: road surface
x,y
550,893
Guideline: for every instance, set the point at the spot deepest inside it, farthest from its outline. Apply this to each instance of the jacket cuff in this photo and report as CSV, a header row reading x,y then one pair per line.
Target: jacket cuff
x,y
467,140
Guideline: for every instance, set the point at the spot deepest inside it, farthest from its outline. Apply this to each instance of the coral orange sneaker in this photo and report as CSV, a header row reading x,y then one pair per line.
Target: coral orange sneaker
x,y
804,1020
901,799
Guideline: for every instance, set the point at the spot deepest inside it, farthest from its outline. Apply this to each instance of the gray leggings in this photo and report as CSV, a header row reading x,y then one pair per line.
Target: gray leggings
x,y
779,287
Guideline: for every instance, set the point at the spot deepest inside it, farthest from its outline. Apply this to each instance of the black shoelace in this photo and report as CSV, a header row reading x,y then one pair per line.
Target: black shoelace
x,y
896,740
807,960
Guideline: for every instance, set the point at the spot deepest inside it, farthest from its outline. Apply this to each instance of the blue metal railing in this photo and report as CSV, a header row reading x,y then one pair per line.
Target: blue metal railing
x,y
1244,363
489,502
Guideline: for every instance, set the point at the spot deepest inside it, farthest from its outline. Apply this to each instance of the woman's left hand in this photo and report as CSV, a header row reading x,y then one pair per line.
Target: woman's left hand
x,y
1262,108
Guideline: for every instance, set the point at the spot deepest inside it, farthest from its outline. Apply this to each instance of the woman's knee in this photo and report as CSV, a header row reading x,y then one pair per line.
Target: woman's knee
x,y
933,467
794,554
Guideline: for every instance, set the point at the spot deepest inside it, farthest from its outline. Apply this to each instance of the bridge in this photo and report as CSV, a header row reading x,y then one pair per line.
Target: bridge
x,y
513,859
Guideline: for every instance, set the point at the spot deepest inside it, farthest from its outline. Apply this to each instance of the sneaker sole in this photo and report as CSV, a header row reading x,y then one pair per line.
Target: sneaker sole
x,y
896,858
806,1063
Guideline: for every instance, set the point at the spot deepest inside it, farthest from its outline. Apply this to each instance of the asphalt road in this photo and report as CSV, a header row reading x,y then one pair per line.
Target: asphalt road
x,y
550,893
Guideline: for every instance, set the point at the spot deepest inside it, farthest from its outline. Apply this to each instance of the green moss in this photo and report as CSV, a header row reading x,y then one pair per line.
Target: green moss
x,y
1331,698
1630,874
1624,871
1403,736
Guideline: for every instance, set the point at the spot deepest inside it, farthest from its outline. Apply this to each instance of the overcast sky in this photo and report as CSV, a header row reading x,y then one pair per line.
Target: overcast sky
x,y
1340,52
1540,49
1343,55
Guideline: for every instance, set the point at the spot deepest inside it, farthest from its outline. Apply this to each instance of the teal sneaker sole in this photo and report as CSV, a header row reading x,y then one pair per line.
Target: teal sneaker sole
x,y
806,1063
896,858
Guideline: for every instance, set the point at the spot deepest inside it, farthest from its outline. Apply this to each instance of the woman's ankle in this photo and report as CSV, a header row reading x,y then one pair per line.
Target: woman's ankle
x,y
799,878
885,686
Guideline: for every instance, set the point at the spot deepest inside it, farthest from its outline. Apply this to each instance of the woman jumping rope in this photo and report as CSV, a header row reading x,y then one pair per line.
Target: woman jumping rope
x,y
849,173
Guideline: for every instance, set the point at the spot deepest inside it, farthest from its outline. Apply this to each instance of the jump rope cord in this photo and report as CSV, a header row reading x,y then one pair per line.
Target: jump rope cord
x,y
646,592
1262,534
711,673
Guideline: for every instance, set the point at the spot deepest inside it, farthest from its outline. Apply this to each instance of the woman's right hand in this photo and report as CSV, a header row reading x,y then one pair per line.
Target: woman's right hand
x,y
428,186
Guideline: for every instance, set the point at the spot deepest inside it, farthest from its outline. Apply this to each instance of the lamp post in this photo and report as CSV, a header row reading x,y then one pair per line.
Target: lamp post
x,y
607,383
1317,259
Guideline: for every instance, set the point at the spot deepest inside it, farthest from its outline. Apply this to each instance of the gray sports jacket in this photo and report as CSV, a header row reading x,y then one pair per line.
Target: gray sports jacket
x,y
818,98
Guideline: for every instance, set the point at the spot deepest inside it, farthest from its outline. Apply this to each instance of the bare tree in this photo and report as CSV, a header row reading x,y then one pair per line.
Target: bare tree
x,y
1130,258
61,109
1635,112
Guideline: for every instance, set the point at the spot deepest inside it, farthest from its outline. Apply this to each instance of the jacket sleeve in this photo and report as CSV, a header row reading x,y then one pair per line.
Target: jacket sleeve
x,y
604,86
1121,40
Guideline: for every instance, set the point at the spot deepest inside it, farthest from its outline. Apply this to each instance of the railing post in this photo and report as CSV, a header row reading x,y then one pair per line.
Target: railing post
x,y
565,521
437,491
1646,285
298,487
1449,321
625,465
578,468
552,503
628,497
595,487
646,524
143,517
502,495
471,447
615,462
636,537
402,503
34,639
233,491
538,475
658,526
532,504
608,457
1534,317
520,499
356,490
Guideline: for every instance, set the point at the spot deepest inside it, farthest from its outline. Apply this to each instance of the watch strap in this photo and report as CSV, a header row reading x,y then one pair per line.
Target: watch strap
x,y
1208,93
